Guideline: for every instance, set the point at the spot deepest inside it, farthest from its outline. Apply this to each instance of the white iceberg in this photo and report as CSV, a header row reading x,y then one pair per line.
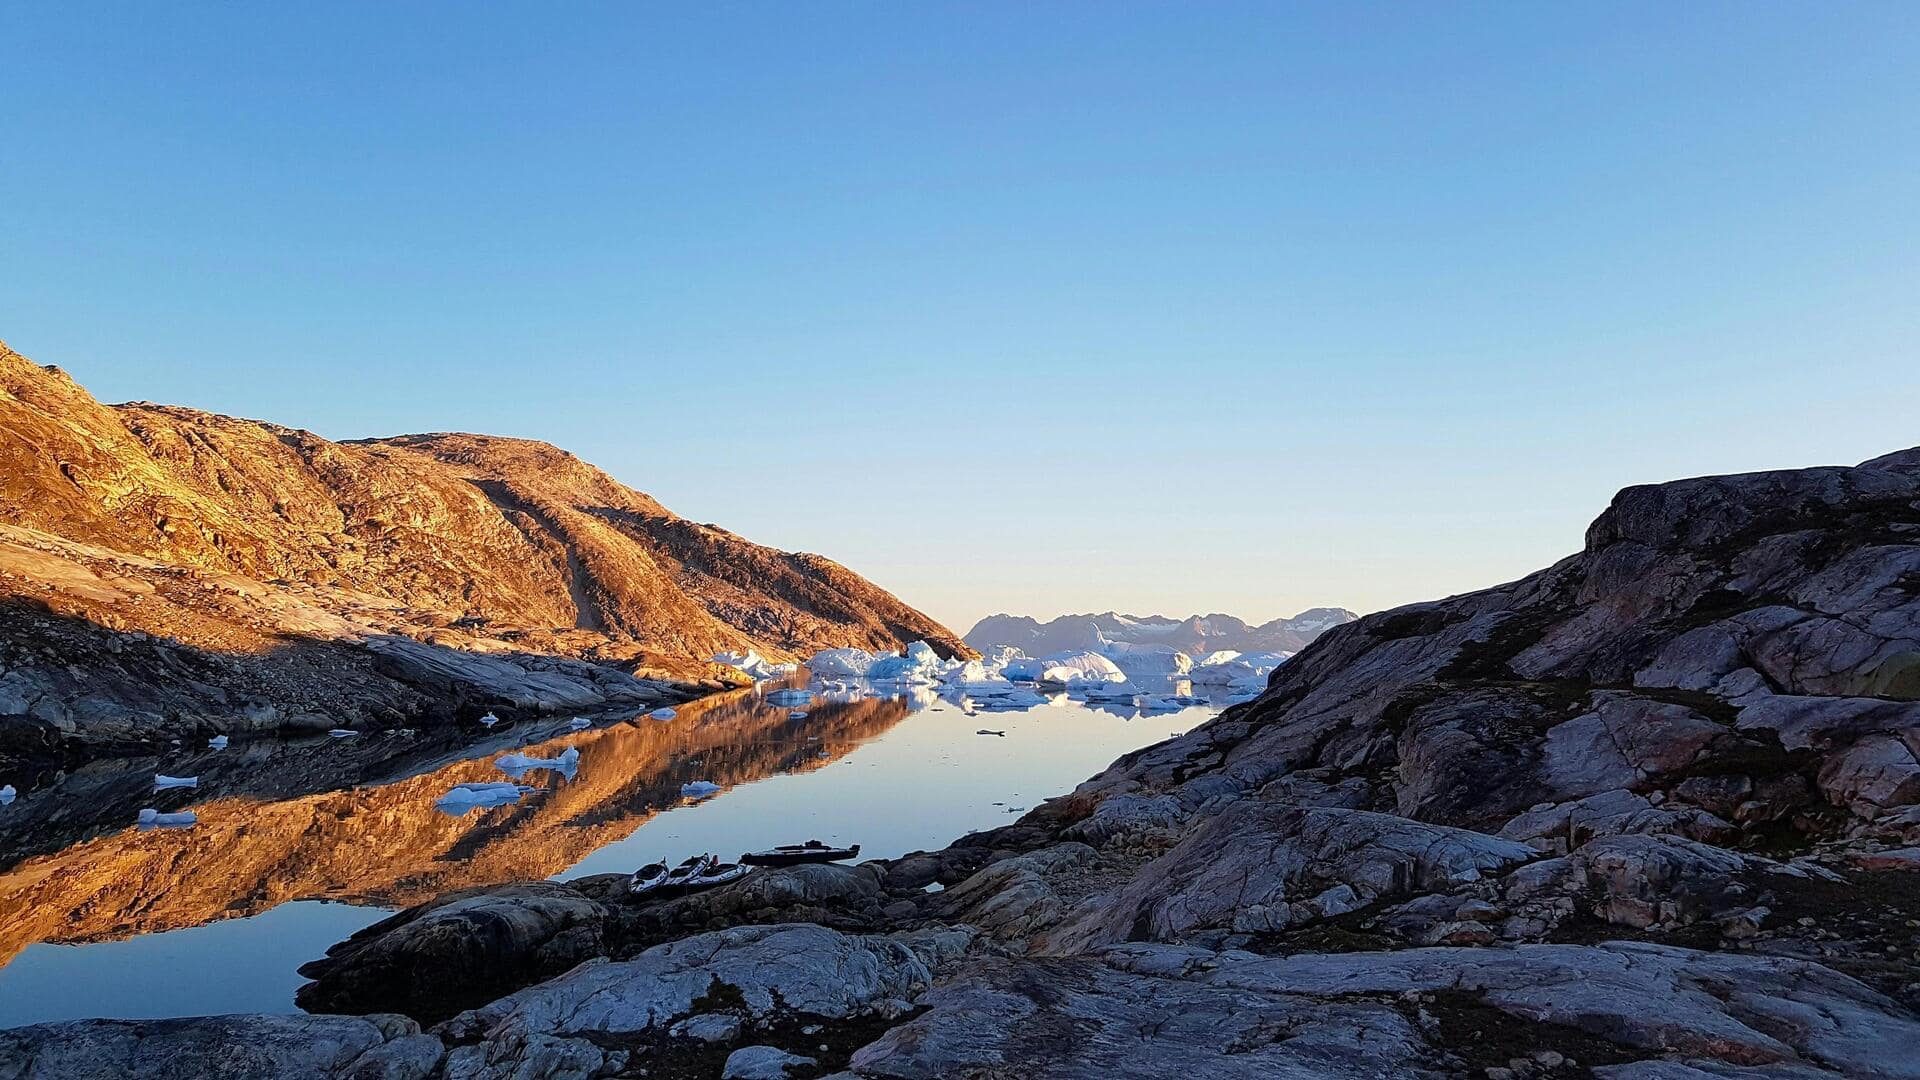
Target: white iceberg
x,y
161,781
753,665
1242,667
662,714
1065,667
579,723
218,742
154,819
7,794
465,797
790,696
1143,662
698,789
840,663
489,720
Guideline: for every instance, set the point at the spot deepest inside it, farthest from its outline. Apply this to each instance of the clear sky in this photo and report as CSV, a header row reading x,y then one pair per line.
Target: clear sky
x,y
1032,307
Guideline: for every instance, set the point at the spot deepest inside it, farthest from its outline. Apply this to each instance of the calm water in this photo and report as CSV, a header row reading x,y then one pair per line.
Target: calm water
x,y
300,844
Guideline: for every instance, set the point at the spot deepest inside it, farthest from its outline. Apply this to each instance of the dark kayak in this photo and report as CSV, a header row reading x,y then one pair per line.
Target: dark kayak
x,y
813,851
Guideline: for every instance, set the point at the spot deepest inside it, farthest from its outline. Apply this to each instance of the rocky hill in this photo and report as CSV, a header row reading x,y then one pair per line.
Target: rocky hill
x,y
1652,813
1196,635
163,568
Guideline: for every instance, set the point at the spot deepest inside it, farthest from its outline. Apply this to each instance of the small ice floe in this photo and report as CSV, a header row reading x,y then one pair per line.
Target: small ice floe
x,y
515,765
465,797
342,733
7,794
698,789
753,665
662,714
789,697
151,818
579,723
162,781
489,720
797,714
218,742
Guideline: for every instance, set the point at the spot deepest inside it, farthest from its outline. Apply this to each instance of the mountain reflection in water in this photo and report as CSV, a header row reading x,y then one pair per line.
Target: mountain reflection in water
x,y
384,845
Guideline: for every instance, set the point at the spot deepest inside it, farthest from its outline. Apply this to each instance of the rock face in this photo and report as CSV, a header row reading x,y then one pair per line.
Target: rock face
x,y
283,1047
1196,635
163,568
1648,814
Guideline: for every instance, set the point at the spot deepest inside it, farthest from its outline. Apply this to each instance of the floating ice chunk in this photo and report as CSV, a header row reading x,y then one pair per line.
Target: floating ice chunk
x,y
7,794
753,665
465,797
1105,691
579,723
218,742
790,696
1218,656
1157,703
698,789
972,671
343,733
489,720
154,819
840,663
662,714
797,714
162,781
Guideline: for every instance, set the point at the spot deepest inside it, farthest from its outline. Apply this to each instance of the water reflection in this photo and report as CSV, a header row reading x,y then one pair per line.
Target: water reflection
x,y
355,821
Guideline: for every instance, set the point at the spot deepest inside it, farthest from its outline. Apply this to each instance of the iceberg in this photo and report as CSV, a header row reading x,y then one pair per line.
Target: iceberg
x,y
840,663
465,797
698,789
489,720
7,794
579,723
662,714
154,819
1242,667
162,781
218,742
1064,667
753,665
790,696
342,733
1142,662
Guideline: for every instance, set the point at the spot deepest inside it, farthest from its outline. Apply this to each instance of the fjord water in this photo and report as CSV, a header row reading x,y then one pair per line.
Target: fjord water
x,y
298,844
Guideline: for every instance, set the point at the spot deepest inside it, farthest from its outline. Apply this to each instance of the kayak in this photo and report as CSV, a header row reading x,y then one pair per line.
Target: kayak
x,y
718,874
813,851
658,877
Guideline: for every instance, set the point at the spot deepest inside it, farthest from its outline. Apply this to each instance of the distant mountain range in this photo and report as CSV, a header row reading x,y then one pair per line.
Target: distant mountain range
x,y
1196,635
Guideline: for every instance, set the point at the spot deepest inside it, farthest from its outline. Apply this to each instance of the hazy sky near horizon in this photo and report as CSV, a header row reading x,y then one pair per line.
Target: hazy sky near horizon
x,y
1030,307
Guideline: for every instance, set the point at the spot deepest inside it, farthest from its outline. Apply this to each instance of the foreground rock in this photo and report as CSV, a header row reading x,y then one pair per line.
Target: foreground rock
x,y
281,1047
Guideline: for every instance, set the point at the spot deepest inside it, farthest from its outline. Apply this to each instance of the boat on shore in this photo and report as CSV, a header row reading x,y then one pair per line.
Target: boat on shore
x,y
813,851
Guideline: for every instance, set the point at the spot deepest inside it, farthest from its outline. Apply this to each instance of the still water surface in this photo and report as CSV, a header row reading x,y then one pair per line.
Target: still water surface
x,y
300,844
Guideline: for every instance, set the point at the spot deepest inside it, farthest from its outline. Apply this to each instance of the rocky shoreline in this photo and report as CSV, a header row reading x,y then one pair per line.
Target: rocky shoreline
x,y
1652,813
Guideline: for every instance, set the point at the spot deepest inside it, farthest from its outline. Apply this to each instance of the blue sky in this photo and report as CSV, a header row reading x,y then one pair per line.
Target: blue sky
x,y
1030,307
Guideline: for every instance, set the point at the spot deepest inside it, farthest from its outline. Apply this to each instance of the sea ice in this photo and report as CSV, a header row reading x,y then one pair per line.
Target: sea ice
x,y
218,742
698,789
162,781
154,819
465,797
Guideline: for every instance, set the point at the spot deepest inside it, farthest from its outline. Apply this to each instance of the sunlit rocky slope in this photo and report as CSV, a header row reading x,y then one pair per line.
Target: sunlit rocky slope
x,y
162,568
